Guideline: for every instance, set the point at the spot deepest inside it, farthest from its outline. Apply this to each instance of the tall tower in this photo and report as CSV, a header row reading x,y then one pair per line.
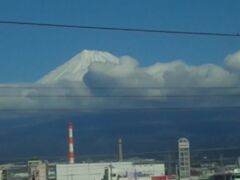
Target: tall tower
x,y
184,158
71,143
120,150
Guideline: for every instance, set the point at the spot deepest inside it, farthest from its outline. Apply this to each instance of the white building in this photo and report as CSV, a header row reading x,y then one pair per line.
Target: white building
x,y
37,170
96,171
184,158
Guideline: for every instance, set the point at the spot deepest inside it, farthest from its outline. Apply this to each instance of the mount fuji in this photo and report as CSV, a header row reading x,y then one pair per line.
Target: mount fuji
x,y
78,66
40,129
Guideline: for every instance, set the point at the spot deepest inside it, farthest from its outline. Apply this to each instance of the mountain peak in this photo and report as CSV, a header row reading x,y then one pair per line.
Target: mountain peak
x,y
94,55
78,66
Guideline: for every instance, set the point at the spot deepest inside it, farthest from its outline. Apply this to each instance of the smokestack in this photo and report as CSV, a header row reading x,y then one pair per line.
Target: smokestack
x,y
120,150
71,143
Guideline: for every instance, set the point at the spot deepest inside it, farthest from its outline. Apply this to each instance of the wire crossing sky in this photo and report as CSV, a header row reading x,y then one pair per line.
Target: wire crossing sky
x,y
127,29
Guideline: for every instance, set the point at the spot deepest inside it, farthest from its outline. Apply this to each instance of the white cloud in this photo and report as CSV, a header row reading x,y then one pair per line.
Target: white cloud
x,y
76,84
177,73
232,61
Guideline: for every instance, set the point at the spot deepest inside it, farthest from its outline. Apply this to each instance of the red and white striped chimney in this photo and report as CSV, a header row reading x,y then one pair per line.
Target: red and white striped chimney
x,y
71,143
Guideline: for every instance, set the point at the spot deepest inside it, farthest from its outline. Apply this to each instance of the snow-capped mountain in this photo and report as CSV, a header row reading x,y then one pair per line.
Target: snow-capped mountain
x,y
77,67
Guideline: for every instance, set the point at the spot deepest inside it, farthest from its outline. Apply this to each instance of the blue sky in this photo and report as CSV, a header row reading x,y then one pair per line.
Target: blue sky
x,y
27,53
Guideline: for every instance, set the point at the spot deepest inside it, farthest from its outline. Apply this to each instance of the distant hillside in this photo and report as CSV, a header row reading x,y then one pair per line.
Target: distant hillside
x,y
97,133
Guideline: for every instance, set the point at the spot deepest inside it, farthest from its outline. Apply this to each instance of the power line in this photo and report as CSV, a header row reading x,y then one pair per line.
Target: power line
x,y
131,109
162,153
119,96
114,87
108,28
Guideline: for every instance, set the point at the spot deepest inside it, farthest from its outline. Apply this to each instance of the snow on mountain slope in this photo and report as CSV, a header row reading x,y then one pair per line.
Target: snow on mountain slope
x,y
77,67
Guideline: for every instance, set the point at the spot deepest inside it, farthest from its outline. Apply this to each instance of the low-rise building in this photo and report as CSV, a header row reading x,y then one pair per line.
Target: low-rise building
x,y
37,170
97,171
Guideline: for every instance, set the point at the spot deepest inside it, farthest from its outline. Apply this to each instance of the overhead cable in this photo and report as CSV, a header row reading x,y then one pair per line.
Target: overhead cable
x,y
111,28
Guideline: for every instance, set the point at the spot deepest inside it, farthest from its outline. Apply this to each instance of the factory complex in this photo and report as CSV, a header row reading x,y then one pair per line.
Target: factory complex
x,y
141,169
107,171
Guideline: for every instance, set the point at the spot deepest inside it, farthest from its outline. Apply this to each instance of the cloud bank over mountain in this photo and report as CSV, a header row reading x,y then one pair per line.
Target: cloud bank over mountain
x,y
100,80
126,70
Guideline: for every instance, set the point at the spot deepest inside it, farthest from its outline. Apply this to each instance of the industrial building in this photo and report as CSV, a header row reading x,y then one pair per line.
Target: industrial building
x,y
37,170
184,158
105,170
115,170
